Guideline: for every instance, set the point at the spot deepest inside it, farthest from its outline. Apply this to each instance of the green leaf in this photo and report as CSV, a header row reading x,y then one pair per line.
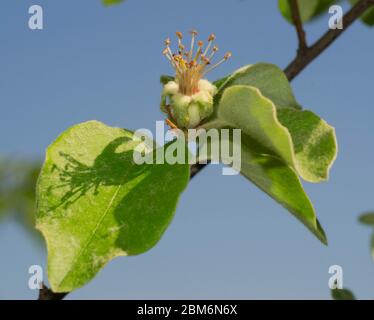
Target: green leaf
x,y
281,183
220,82
300,138
367,218
268,78
372,245
324,5
314,143
342,294
368,16
94,203
17,191
268,156
272,176
111,2
279,141
309,9
164,79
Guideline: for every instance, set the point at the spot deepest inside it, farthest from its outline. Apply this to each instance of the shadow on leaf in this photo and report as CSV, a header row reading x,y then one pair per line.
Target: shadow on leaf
x,y
110,168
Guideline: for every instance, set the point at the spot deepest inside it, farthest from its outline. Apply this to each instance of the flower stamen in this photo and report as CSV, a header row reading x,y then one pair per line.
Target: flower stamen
x,y
191,65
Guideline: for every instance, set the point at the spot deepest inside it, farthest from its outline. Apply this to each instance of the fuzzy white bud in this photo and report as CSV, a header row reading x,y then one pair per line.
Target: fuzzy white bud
x,y
187,111
171,88
205,85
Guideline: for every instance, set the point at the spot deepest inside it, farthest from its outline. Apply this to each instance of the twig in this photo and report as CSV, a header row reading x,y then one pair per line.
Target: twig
x,y
305,55
47,294
309,54
295,12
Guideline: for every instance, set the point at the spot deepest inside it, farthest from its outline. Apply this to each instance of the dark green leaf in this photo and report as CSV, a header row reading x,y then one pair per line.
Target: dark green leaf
x,y
17,191
368,16
164,79
309,9
111,2
342,294
367,218
372,245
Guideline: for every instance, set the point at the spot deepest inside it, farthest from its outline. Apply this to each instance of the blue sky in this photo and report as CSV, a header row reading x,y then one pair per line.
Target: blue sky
x,y
228,239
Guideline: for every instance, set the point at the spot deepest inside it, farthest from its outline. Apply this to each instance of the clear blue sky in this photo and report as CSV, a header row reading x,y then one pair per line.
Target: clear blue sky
x,y
228,239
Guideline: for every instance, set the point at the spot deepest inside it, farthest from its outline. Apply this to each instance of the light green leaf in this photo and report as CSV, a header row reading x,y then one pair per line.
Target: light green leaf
x,y
244,107
278,145
314,143
368,16
307,9
111,2
367,218
272,176
342,294
281,183
268,78
300,138
94,203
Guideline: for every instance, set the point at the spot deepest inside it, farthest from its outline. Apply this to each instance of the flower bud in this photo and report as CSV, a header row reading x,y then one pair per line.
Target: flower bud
x,y
188,99
188,111
171,88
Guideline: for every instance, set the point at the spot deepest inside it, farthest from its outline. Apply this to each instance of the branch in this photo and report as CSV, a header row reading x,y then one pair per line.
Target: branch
x,y
295,12
306,55
47,294
196,168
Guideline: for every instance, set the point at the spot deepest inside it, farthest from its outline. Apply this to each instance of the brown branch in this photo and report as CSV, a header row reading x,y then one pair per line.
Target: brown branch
x,y
295,12
305,56
309,54
47,294
196,168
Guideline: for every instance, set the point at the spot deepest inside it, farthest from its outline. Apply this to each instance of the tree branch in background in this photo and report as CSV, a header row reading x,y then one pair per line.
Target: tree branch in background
x,y
308,54
305,55
295,12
